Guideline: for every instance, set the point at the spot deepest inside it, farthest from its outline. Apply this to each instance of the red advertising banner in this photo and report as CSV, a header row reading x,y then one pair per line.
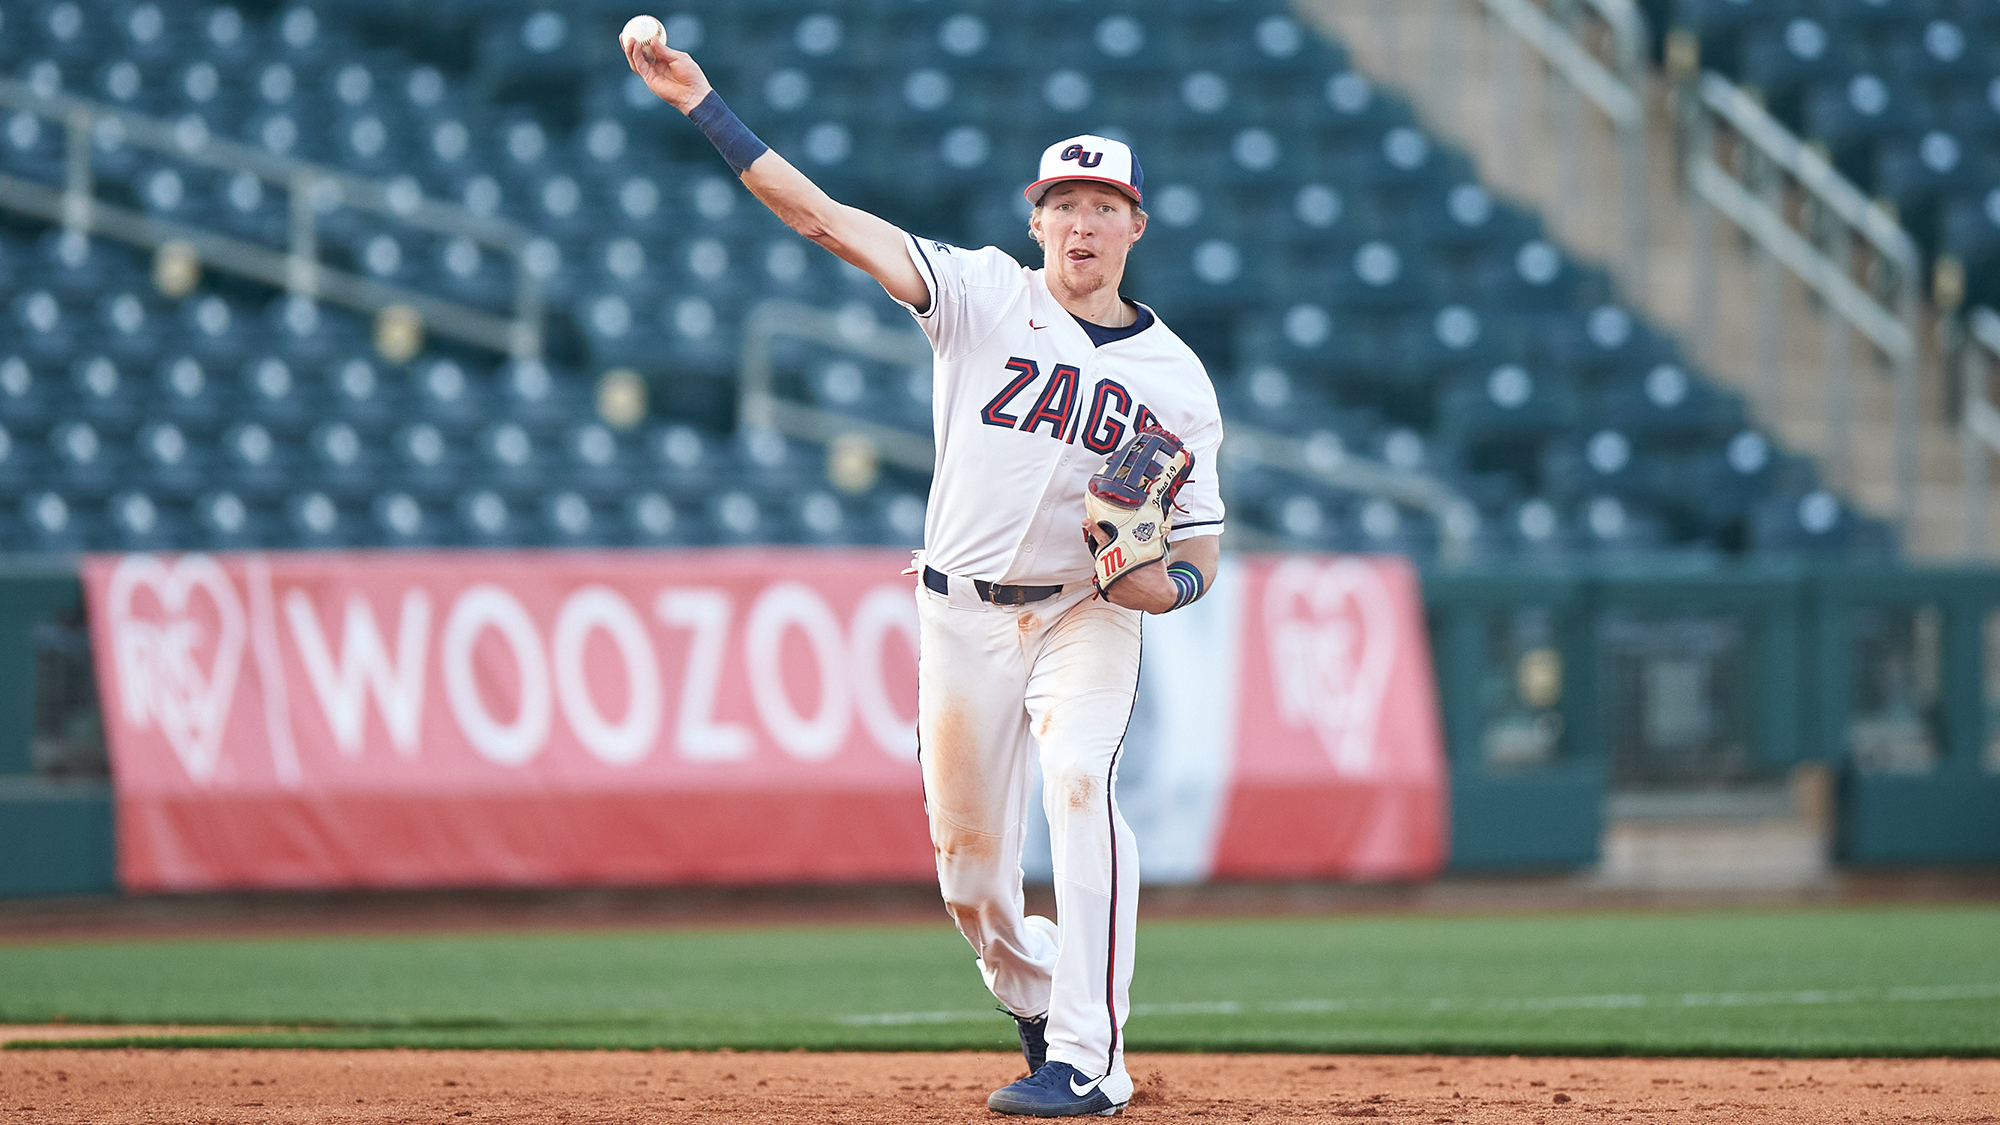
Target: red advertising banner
x,y
1339,749
432,719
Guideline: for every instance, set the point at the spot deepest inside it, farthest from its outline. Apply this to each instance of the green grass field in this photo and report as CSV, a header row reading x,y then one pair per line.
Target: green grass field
x,y
1902,981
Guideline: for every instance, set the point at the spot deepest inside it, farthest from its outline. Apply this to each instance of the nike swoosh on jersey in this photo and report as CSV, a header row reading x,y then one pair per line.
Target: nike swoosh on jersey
x,y
1086,1088
1033,325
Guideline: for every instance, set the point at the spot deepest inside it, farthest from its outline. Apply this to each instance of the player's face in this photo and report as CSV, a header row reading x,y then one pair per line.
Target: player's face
x,y
1086,230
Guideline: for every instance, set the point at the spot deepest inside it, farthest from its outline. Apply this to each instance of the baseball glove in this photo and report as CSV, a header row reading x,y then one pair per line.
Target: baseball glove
x,y
1130,504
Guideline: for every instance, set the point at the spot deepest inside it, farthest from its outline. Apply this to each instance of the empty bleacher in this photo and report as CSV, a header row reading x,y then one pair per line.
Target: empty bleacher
x,y
1344,274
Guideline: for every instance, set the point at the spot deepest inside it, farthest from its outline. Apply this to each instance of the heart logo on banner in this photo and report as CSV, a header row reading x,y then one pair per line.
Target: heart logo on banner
x,y
162,678
1331,629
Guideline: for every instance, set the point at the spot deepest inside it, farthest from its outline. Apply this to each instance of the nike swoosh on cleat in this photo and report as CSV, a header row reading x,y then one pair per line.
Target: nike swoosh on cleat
x,y
1086,1088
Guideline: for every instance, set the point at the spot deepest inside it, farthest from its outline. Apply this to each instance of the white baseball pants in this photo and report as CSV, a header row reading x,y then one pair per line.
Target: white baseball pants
x,y
1001,689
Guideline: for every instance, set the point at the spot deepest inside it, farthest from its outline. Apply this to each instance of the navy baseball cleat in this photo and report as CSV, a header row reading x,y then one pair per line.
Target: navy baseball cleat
x,y
1034,1040
1061,1090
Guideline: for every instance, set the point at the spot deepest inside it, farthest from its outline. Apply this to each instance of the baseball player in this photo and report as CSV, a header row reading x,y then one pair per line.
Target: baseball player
x,y
1056,407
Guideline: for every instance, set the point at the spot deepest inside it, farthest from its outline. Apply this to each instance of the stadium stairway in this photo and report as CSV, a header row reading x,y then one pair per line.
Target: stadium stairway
x,y
1400,44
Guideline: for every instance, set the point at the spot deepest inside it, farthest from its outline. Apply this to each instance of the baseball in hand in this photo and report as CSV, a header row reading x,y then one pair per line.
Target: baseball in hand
x,y
642,29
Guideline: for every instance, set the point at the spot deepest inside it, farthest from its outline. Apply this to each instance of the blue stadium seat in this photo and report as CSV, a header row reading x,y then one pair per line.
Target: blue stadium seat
x,y
100,393
1666,403
1801,52
82,267
539,46
509,459
256,464
737,517
486,520
1604,463
34,147
317,521
1816,523
595,462
822,518
273,396
1508,401
1936,52
216,333
172,465
652,520
569,520
85,465
183,389
23,401
1850,116
137,521
1720,25
356,390
225,520
131,329
342,462
1917,173
401,520
51,522
447,396
249,208
44,329
1603,343
425,461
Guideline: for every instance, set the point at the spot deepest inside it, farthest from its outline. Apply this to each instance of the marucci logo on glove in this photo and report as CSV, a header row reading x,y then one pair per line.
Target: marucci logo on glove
x,y
1130,503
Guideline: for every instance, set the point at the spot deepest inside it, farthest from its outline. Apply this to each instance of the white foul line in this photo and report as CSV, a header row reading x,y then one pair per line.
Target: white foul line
x,y
1898,994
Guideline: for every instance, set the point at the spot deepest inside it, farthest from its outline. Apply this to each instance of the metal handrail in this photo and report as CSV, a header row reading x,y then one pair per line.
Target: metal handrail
x,y
1618,91
1757,209
760,408
1979,422
1811,168
310,186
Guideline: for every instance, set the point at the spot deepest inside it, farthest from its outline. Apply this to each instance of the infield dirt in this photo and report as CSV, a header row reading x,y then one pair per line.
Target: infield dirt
x,y
224,1087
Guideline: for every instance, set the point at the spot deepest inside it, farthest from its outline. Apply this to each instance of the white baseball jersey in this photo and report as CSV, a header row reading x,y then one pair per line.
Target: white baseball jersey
x,y
1026,408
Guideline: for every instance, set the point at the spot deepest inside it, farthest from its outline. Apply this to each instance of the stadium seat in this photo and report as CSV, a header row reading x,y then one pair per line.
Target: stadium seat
x,y
137,521
652,520
343,465
183,389
173,466
51,523
401,520
86,466
1851,115
1800,52
256,464
1917,173
446,396
226,521
571,521
487,520
317,521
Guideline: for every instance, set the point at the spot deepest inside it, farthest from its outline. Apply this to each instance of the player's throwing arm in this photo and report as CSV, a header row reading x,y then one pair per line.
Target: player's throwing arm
x,y
859,238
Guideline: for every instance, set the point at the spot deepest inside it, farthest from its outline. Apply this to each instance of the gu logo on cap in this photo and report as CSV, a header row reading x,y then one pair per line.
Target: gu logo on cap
x,y
1089,157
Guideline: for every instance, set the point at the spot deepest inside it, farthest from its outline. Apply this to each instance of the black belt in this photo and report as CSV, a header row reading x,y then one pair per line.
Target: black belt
x,y
991,591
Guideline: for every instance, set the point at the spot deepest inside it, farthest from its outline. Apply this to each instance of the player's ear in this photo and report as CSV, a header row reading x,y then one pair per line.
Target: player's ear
x,y
1035,224
1138,222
